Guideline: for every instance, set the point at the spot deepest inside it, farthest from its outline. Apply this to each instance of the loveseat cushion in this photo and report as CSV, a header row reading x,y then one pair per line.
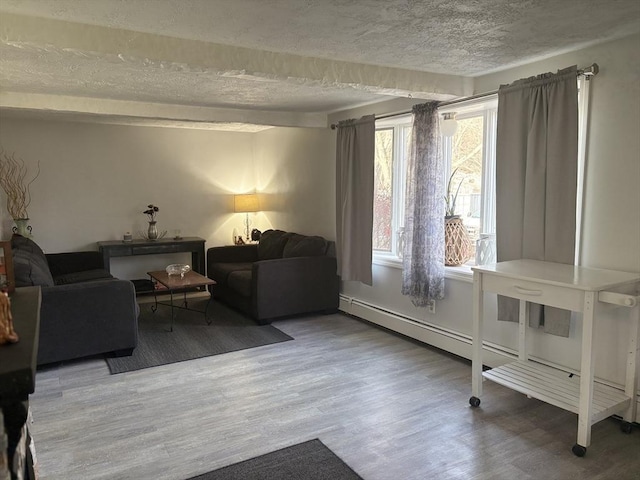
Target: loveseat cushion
x,y
85,276
304,246
272,244
240,281
220,271
30,265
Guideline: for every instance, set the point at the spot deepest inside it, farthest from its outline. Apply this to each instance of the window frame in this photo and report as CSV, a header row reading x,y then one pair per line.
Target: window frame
x,y
486,107
398,184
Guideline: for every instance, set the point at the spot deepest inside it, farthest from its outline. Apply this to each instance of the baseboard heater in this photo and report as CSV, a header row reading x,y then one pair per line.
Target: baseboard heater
x,y
451,341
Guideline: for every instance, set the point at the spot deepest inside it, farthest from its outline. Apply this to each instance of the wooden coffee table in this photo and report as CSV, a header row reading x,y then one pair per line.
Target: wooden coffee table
x,y
176,284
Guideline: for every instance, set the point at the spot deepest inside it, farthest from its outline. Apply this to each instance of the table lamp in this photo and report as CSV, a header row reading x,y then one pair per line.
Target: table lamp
x,y
246,203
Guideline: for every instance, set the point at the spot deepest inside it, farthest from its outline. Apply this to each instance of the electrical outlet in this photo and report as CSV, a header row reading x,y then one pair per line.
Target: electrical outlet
x,y
431,307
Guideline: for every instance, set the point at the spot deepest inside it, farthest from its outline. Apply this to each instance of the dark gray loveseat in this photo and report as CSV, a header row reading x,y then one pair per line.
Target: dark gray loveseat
x,y
85,311
284,274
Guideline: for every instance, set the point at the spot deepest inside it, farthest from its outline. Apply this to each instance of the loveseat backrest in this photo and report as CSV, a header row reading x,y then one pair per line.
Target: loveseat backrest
x,y
280,244
30,266
272,244
331,248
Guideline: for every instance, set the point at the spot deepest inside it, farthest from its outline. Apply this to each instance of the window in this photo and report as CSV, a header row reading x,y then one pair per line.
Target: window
x,y
469,155
392,145
471,150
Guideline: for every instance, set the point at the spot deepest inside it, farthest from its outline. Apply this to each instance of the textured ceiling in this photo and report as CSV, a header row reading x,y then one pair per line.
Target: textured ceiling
x,y
292,60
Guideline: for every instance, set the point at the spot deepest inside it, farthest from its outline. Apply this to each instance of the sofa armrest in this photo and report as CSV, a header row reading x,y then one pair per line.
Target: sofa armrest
x,y
232,254
72,262
88,318
288,286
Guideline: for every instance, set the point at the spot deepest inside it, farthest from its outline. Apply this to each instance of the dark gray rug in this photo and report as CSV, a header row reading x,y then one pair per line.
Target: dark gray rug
x,y
310,460
192,337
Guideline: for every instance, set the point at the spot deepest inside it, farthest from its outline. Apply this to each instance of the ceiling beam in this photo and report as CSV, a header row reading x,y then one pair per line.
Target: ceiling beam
x,y
154,113
163,52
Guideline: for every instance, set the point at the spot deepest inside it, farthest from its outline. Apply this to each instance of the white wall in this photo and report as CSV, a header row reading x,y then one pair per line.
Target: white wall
x,y
296,178
612,225
96,179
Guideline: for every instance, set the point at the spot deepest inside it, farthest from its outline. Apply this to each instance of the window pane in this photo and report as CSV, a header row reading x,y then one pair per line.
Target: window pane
x,y
466,151
383,192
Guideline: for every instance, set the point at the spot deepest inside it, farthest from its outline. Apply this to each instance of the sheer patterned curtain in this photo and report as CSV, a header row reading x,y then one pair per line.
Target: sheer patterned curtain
x,y
355,158
423,253
536,180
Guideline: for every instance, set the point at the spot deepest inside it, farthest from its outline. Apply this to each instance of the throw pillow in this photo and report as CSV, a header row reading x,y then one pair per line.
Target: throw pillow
x,y
304,246
30,265
272,244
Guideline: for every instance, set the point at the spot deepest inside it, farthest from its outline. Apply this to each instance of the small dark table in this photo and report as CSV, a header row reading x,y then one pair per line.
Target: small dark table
x,y
120,248
176,283
18,367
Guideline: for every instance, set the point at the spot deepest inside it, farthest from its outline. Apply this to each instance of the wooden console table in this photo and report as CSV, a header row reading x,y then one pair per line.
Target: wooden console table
x,y
573,288
18,368
119,248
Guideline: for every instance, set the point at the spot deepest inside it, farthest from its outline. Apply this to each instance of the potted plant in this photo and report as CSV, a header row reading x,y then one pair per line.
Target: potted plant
x,y
13,180
450,198
457,242
152,233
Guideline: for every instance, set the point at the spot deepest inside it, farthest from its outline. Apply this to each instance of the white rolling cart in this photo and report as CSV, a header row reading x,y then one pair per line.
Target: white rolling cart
x,y
573,288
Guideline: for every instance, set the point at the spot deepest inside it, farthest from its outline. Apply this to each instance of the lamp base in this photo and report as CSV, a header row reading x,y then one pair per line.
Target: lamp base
x,y
247,224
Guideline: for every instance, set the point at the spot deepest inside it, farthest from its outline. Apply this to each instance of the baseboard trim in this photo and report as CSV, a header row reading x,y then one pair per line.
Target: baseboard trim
x,y
451,341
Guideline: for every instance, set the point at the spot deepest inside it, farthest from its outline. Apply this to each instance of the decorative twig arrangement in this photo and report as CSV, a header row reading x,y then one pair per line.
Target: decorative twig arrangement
x,y
145,235
13,174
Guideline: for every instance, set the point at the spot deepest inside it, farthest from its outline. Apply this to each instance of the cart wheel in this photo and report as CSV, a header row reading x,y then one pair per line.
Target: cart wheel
x,y
579,450
474,401
626,427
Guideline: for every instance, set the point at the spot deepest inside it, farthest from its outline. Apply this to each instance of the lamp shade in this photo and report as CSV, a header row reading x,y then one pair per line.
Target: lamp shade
x,y
245,203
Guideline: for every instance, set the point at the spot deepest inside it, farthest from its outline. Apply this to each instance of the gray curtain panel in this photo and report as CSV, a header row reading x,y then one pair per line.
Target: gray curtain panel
x,y
423,253
355,150
536,177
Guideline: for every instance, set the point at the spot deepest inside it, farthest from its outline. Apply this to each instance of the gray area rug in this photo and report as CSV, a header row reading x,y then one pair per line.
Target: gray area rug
x,y
310,460
192,337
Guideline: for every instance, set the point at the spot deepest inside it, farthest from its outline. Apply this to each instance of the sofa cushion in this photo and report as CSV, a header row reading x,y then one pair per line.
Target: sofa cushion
x,y
240,281
220,271
272,244
30,265
85,276
304,246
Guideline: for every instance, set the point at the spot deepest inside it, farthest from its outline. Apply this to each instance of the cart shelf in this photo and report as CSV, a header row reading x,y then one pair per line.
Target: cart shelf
x,y
557,388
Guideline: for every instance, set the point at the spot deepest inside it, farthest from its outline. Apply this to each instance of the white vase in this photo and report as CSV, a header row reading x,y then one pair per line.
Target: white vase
x,y
22,227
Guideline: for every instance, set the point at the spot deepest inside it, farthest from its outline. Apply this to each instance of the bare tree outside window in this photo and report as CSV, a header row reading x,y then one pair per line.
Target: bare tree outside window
x,y
383,191
466,157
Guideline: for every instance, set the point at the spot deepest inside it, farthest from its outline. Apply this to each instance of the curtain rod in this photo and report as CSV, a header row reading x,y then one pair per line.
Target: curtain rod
x,y
588,72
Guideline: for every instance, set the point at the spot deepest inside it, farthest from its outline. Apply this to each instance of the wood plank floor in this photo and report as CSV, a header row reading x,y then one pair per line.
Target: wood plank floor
x,y
389,407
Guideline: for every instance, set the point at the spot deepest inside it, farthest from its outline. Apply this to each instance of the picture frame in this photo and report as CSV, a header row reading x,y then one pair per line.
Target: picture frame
x,y
7,279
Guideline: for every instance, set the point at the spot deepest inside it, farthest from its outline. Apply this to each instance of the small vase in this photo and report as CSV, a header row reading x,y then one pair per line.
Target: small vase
x,y
153,231
22,227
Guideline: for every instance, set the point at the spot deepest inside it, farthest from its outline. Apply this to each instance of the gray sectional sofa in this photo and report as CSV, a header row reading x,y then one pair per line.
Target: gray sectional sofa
x,y
284,274
84,311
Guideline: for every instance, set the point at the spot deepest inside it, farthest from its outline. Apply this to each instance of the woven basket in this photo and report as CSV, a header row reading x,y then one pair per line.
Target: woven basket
x,y
457,248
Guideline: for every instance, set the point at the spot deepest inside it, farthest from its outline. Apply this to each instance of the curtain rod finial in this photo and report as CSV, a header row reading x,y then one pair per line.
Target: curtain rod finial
x,y
590,70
